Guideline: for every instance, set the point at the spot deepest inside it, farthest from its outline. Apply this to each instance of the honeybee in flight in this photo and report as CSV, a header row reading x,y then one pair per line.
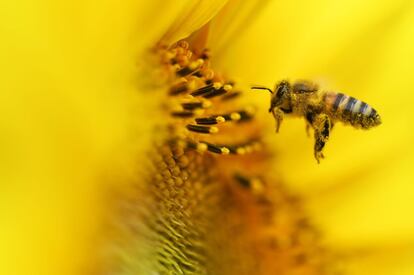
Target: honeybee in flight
x,y
320,109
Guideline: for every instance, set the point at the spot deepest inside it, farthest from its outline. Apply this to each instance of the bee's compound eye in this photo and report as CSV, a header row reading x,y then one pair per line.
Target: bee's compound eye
x,y
281,90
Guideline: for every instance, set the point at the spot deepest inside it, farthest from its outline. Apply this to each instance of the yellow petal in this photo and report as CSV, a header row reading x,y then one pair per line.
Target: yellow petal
x,y
234,19
193,16
70,110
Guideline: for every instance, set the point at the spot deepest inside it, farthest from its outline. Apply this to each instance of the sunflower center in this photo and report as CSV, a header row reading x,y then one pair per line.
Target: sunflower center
x,y
208,202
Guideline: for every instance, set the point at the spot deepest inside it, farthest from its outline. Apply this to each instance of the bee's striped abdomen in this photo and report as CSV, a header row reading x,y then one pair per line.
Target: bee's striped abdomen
x,y
351,110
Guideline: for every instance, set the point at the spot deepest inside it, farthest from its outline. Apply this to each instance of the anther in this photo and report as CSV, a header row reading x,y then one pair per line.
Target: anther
x,y
212,90
196,64
203,90
217,85
179,88
184,71
235,116
205,54
237,150
196,105
213,130
217,149
254,184
210,120
245,115
215,92
227,87
220,119
202,129
229,96
243,181
201,147
230,149
191,68
238,116
183,114
198,146
191,105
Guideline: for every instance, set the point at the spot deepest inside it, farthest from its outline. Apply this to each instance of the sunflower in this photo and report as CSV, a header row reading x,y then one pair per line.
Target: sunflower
x,y
87,108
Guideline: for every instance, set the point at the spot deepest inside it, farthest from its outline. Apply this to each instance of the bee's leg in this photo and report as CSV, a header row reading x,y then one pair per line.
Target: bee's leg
x,y
278,115
308,126
310,119
322,126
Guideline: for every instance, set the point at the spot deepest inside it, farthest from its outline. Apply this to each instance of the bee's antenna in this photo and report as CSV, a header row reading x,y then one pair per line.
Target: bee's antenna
x,y
261,88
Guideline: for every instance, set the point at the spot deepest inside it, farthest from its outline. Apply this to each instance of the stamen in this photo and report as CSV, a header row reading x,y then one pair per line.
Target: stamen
x,y
254,184
244,115
243,181
244,148
202,129
205,54
184,71
195,105
179,88
229,96
235,116
196,64
192,105
201,147
203,90
229,149
215,92
183,114
227,87
217,149
191,68
210,120
212,90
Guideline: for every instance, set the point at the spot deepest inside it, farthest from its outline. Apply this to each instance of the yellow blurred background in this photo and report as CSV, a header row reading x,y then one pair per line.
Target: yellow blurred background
x,y
69,112
362,194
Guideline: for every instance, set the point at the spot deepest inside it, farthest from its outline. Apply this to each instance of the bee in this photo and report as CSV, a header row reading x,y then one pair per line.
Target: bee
x,y
321,109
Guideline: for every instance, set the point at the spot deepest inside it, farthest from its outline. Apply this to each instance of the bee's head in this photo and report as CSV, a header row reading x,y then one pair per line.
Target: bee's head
x,y
280,95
